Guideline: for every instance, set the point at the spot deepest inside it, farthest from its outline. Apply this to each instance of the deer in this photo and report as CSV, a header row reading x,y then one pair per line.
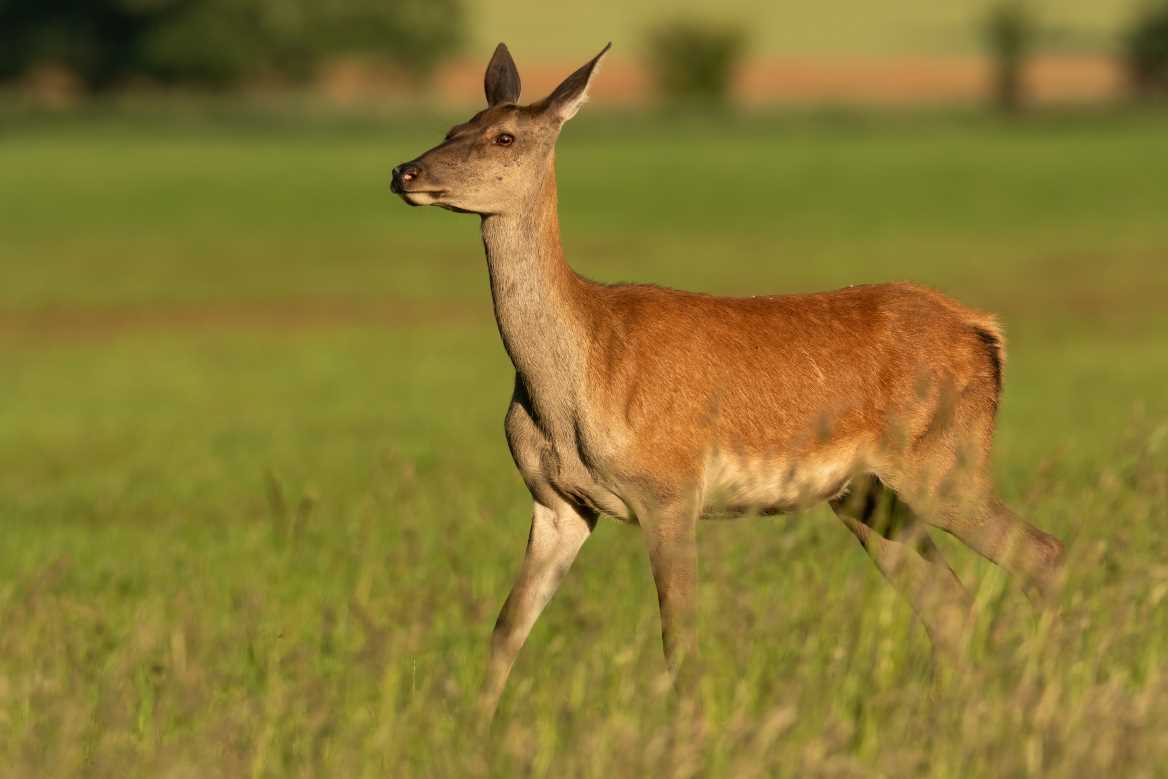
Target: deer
x,y
660,408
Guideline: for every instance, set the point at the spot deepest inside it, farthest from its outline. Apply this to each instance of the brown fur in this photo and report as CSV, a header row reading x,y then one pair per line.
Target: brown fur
x,y
659,407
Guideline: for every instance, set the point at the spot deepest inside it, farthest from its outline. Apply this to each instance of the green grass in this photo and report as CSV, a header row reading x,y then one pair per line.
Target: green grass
x,y
257,514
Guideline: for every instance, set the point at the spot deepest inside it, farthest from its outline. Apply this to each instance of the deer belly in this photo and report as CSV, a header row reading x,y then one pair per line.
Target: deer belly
x,y
738,485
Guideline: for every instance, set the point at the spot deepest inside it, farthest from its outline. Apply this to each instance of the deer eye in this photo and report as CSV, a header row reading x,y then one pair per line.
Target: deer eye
x,y
504,139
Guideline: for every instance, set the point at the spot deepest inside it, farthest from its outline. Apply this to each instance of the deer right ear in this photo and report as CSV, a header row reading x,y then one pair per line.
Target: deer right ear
x,y
565,101
501,82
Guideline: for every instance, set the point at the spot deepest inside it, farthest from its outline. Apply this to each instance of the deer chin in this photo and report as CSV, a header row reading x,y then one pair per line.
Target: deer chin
x,y
427,198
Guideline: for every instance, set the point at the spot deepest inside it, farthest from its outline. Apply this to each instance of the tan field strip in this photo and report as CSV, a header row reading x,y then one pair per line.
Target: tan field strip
x,y
818,79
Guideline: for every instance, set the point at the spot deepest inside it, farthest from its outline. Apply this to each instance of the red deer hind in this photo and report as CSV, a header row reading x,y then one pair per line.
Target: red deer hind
x,y
659,407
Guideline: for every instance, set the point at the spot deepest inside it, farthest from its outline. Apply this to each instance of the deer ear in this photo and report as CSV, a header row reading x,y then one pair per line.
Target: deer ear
x,y
567,98
502,79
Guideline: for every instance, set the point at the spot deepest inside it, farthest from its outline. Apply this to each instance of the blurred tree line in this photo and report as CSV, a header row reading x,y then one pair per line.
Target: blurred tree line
x,y
222,42
219,43
1012,34
694,60
1146,51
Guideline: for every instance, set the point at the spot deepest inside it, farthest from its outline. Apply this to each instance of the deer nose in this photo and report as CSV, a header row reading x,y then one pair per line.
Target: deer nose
x,y
404,174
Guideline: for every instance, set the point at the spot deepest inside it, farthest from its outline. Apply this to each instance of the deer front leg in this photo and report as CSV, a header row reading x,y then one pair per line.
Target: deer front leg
x,y
671,536
557,534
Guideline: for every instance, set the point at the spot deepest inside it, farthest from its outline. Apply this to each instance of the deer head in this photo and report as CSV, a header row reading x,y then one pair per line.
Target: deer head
x,y
498,159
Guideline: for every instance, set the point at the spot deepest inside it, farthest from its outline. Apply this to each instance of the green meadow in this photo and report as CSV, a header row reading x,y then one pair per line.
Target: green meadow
x,y
257,514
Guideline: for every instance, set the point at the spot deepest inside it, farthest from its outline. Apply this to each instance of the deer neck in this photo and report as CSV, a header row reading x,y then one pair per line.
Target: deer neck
x,y
537,298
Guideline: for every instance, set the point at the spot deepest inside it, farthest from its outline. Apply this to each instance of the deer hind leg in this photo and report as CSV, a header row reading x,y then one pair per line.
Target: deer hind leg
x,y
946,479
989,527
906,555
557,534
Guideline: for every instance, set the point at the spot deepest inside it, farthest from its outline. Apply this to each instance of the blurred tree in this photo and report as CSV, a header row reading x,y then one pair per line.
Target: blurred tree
x,y
221,42
96,39
415,35
225,41
1009,34
1146,51
693,60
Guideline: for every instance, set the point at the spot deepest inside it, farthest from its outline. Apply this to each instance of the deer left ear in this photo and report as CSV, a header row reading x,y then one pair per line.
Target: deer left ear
x,y
565,101
501,82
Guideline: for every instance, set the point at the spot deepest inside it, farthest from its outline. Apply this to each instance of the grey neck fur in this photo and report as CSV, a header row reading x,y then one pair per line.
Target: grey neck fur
x,y
537,300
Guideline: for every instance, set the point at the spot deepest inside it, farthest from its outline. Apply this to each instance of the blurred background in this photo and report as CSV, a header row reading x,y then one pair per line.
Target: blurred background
x,y
347,51
257,513
754,53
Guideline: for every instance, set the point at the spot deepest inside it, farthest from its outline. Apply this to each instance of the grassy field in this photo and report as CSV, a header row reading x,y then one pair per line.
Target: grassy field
x,y
257,514
895,27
